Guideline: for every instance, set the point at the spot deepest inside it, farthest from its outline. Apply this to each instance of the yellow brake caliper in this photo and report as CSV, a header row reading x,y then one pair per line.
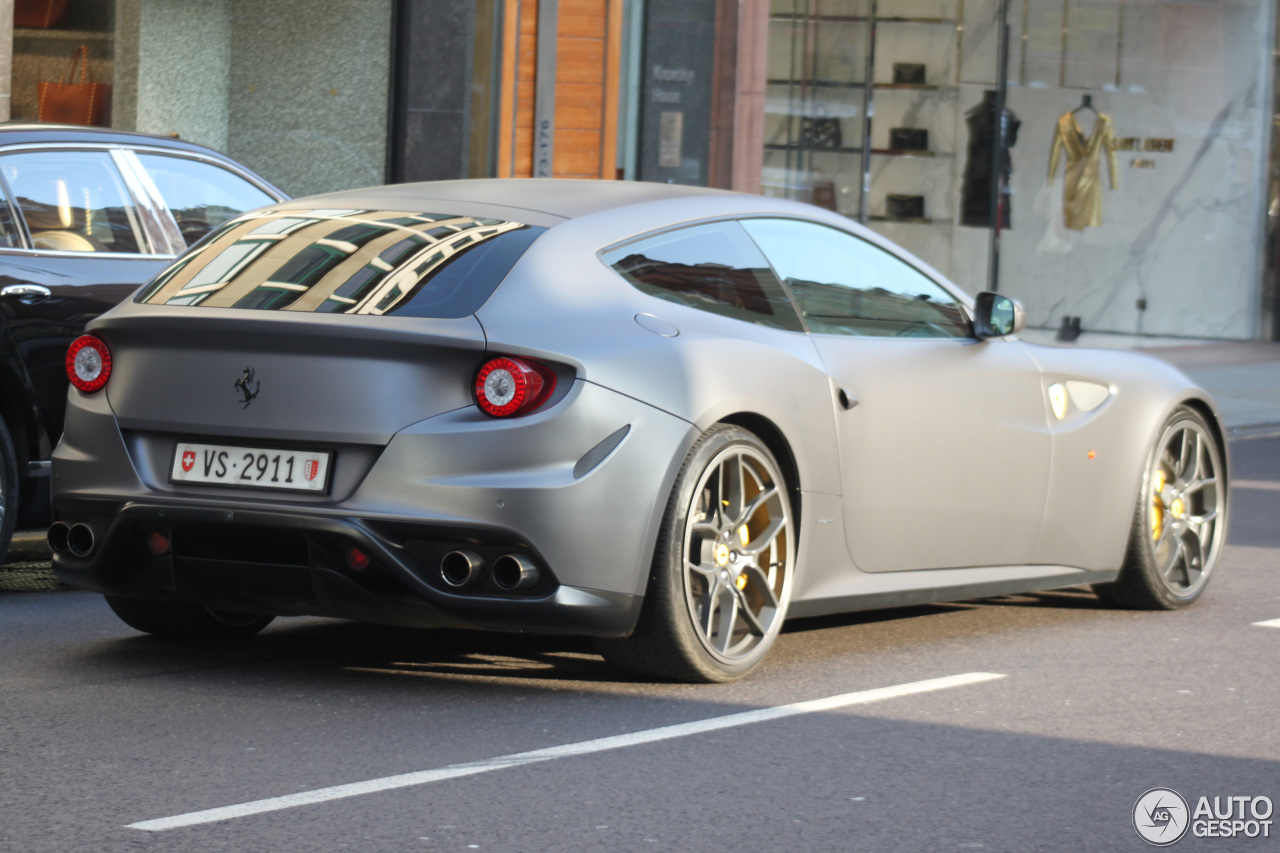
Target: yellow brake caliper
x,y
1157,507
744,536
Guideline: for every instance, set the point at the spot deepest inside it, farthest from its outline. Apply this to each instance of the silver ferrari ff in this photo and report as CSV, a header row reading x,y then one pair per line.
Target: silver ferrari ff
x,y
664,417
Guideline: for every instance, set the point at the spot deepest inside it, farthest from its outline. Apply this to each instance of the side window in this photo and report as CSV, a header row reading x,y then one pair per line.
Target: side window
x,y
73,201
200,195
713,267
847,286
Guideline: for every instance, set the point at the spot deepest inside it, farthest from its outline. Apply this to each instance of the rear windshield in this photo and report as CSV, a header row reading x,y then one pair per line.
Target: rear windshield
x,y
347,262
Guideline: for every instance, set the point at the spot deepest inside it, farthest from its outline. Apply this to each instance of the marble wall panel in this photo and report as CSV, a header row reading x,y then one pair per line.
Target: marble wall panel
x,y
308,91
184,69
1092,43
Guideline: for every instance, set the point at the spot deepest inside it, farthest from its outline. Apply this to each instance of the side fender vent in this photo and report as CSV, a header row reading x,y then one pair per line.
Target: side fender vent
x,y
597,454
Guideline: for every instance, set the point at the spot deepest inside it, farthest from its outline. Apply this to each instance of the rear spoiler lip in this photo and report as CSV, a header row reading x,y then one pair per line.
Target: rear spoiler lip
x,y
134,319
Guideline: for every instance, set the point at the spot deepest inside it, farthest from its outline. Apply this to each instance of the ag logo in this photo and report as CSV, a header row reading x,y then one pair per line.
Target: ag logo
x,y
1161,817
188,459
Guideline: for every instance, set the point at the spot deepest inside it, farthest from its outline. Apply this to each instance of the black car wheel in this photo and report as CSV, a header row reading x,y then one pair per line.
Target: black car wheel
x,y
1179,523
183,620
9,486
722,569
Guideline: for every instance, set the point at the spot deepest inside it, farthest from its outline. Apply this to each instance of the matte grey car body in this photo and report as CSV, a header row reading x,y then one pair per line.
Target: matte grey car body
x,y
918,469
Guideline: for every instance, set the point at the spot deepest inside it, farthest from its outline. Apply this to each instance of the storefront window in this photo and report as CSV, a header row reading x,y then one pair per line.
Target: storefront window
x,y
1139,169
1110,168
63,41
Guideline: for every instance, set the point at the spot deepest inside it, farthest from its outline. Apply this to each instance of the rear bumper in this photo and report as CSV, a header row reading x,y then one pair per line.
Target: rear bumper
x,y
295,564
455,480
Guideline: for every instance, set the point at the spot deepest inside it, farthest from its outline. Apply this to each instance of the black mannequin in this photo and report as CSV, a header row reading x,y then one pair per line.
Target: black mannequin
x,y
975,190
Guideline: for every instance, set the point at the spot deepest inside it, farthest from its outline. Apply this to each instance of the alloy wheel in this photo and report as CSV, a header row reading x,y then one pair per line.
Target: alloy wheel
x,y
1185,492
738,554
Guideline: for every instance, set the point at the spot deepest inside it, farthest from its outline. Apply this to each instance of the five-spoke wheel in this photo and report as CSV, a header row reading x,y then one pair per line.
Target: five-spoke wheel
x,y
1178,530
723,567
737,553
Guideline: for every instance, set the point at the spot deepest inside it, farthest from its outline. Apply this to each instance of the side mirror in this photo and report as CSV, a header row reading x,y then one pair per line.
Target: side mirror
x,y
996,315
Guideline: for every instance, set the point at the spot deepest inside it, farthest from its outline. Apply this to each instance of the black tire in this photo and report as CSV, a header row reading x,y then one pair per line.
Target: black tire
x,y
1179,523
10,485
742,602
183,620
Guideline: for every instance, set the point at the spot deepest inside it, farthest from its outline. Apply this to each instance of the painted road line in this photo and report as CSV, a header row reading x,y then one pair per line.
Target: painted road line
x,y
1269,623
455,771
1261,485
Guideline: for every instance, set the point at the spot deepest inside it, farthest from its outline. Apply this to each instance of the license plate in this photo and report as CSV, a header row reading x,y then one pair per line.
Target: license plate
x,y
255,467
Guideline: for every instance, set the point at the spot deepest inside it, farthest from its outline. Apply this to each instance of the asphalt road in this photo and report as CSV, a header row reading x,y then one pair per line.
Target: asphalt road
x,y
101,728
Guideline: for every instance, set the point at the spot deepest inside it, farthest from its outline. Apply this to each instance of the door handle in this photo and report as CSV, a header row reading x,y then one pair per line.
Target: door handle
x,y
19,290
846,398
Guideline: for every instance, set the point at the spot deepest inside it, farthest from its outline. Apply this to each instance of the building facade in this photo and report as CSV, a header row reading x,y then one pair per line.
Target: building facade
x,y
1109,161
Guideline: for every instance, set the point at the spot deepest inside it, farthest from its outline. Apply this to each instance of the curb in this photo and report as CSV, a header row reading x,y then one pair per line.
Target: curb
x,y
28,545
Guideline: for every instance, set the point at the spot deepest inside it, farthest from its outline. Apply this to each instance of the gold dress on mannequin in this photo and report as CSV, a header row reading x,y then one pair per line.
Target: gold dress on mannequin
x,y
1082,183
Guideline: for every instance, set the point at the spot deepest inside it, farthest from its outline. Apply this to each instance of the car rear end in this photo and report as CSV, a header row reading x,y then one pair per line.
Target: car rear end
x,y
304,416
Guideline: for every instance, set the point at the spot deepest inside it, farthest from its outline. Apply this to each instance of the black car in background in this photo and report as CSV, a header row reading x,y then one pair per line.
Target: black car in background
x,y
86,216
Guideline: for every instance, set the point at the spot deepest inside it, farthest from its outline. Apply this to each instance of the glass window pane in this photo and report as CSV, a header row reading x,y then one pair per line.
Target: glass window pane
x,y
201,196
73,201
711,267
346,262
846,286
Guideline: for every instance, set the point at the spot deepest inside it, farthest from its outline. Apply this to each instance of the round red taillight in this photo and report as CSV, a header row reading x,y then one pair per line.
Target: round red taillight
x,y
512,386
88,363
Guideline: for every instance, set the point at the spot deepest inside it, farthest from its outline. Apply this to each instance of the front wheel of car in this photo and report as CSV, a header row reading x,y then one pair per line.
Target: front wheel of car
x,y
1179,524
184,620
722,568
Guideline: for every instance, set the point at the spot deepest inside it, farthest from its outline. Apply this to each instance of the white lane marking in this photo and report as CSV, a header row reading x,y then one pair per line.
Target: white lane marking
x,y
1269,623
1263,485
454,771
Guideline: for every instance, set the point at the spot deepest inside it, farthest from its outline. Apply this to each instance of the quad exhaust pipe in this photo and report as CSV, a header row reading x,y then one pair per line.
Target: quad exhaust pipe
x,y
467,568
462,568
81,540
57,536
77,539
514,571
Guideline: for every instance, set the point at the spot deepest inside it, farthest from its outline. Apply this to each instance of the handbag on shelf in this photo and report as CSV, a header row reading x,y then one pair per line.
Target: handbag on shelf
x,y
66,102
39,14
908,139
824,193
820,131
910,73
898,206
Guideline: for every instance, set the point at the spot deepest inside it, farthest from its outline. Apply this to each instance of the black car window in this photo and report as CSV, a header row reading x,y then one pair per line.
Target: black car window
x,y
712,267
201,196
347,262
73,201
847,286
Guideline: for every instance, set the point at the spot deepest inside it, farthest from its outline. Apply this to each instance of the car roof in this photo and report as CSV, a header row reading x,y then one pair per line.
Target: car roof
x,y
35,133
554,199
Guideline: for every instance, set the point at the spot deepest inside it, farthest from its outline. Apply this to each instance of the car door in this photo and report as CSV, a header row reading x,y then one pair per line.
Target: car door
x,y
85,247
943,438
100,222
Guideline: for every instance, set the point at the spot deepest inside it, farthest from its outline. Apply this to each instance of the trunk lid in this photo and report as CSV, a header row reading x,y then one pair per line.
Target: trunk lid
x,y
285,376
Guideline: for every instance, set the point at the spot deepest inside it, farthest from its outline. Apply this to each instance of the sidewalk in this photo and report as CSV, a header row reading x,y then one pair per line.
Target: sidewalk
x,y
1242,376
